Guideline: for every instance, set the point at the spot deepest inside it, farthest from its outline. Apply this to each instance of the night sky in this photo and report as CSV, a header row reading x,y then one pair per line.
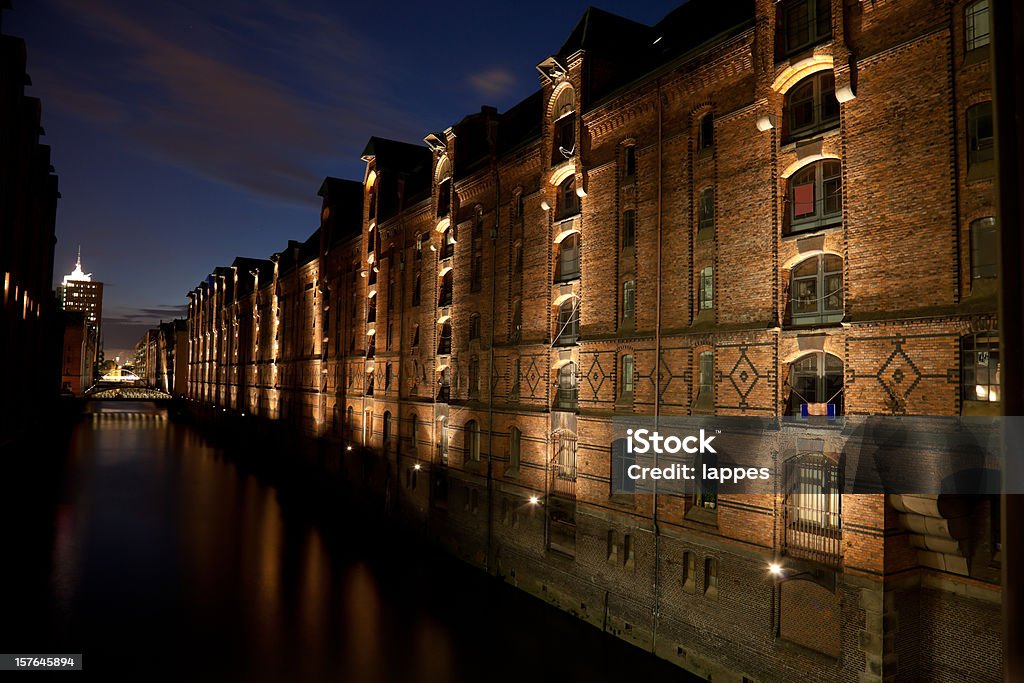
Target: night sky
x,y
186,133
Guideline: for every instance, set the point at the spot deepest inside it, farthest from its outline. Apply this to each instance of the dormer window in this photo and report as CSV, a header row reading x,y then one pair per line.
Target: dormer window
x,y
563,134
444,187
804,23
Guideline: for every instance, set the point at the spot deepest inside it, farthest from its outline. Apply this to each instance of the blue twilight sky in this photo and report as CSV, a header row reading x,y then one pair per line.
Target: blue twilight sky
x,y
186,132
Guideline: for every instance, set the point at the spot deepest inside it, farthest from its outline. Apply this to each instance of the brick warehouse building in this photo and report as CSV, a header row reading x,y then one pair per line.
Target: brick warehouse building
x,y
752,210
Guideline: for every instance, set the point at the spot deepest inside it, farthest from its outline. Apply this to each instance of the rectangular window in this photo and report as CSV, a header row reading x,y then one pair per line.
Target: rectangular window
x,y
977,24
983,248
517,320
518,258
689,570
706,388
628,301
706,209
805,22
628,229
711,577
629,162
706,292
980,134
627,374
706,132
980,363
474,327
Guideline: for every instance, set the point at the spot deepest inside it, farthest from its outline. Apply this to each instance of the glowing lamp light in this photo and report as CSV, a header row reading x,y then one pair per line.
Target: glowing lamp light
x,y
417,467
348,448
775,568
534,500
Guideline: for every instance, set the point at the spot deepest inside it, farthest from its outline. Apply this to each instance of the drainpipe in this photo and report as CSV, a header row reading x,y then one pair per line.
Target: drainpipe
x,y
657,385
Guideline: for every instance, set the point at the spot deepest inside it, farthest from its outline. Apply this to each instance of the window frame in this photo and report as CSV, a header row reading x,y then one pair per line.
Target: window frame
x,y
568,321
823,291
971,14
824,189
706,210
568,201
628,235
820,375
706,289
980,149
569,257
815,32
822,98
627,375
972,348
989,269
705,132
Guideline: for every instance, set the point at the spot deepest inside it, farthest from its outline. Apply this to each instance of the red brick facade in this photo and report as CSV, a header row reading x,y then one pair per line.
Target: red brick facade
x,y
467,312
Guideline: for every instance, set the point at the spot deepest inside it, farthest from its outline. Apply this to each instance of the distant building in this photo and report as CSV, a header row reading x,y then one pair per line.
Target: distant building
x,y
76,357
146,358
80,293
30,333
172,357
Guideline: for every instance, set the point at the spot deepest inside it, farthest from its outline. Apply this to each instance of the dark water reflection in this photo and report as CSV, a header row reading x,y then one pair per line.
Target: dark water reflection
x,y
151,552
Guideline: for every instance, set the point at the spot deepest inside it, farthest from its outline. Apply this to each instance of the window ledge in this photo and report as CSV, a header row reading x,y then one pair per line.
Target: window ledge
x,y
790,142
982,170
702,515
977,55
801,232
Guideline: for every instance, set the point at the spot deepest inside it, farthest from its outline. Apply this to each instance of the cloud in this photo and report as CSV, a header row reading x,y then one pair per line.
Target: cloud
x,y
253,94
494,82
147,317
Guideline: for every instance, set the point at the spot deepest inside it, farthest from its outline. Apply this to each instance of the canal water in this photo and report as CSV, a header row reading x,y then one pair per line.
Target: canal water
x,y
136,542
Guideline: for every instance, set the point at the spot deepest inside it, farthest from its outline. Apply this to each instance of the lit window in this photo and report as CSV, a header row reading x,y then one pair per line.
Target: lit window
x,y
568,201
980,363
817,290
976,23
815,196
816,385
706,378
568,322
563,134
568,389
569,257
813,512
811,105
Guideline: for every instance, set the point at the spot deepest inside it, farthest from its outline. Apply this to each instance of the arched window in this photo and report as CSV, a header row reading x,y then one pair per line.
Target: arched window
x,y
448,242
627,370
706,132
568,201
568,388
568,322
569,257
980,367
816,290
444,187
815,196
447,285
811,105
563,127
444,339
471,446
816,385
515,437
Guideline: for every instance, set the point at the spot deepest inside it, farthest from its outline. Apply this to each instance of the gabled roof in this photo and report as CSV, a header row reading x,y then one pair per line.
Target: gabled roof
x,y
600,30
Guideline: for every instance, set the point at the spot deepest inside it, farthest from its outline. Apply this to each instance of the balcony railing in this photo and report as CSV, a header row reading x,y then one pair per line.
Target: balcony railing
x,y
563,480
